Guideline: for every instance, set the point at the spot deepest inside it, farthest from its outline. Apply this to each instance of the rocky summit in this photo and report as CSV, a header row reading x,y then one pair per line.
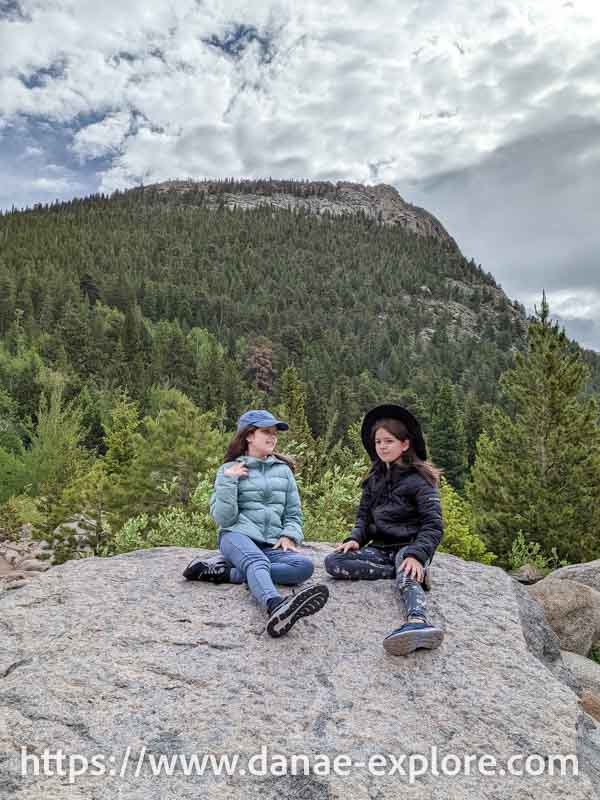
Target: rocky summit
x,y
381,203
115,662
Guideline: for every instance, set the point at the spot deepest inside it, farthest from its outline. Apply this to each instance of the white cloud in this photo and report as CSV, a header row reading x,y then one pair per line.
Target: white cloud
x,y
577,311
385,91
422,87
102,138
57,184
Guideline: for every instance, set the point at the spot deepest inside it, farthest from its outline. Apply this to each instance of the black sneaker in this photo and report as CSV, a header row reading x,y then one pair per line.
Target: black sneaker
x,y
306,602
214,570
412,636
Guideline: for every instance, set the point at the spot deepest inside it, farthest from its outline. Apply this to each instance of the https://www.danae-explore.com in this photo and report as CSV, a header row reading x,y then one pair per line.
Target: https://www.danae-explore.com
x,y
405,767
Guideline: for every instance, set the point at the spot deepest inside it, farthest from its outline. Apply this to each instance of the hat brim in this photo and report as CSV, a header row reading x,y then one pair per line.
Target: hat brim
x,y
281,426
393,411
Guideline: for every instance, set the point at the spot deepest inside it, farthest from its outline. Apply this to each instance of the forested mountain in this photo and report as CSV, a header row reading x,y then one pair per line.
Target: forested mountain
x,y
215,287
110,288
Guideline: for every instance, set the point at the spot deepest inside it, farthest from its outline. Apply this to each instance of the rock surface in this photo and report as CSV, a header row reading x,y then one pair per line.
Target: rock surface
x,y
23,558
590,702
101,655
586,671
528,574
382,203
541,640
572,610
588,574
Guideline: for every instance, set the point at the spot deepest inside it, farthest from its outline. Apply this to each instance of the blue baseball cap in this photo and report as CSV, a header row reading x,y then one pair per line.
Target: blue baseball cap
x,y
260,418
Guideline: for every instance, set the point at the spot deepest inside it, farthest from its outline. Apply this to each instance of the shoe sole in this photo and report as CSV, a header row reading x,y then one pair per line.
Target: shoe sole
x,y
303,605
405,643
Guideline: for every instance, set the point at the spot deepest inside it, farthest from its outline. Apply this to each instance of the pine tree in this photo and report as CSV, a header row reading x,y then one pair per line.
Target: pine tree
x,y
447,436
11,431
475,420
174,444
293,396
7,302
538,470
55,456
120,436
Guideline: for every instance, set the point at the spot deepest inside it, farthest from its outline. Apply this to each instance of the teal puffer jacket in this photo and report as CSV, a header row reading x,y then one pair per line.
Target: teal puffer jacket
x,y
264,506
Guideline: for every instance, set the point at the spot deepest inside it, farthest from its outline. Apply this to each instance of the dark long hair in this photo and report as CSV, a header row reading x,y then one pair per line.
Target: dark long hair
x,y
409,459
238,446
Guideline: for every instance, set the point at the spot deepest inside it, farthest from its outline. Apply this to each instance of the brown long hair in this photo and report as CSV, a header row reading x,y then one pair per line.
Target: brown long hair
x,y
409,459
238,446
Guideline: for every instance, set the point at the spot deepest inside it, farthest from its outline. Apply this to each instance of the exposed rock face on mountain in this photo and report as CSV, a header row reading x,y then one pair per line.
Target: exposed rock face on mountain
x,y
122,658
381,203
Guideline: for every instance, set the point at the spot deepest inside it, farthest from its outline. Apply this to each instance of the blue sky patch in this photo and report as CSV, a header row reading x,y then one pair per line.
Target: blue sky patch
x,y
239,37
12,11
44,75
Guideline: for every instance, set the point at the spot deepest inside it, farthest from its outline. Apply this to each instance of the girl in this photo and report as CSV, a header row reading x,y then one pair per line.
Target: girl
x,y
398,524
256,505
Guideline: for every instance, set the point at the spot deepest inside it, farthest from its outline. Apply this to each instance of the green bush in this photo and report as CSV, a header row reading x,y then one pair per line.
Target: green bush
x,y
16,512
524,552
329,505
459,537
174,527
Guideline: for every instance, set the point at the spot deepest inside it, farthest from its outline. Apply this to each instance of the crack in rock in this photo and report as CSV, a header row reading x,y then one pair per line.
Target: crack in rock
x,y
15,665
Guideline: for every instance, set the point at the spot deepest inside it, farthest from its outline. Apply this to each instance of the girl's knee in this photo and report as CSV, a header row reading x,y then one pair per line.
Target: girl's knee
x,y
334,566
329,563
295,569
303,568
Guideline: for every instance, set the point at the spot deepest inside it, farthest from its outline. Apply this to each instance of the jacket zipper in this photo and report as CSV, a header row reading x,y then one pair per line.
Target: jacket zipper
x,y
264,474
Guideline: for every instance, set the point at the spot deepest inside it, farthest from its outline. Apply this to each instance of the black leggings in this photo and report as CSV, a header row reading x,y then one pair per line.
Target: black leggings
x,y
373,563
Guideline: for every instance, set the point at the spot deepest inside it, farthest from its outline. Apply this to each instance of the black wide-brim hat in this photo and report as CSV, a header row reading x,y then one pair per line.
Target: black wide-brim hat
x,y
391,411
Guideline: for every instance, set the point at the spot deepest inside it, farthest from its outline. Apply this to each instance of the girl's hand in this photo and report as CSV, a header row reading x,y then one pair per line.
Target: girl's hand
x,y
238,470
411,567
345,546
285,543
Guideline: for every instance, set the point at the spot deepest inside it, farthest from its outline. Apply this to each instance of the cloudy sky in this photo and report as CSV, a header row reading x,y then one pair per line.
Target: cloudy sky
x,y
486,113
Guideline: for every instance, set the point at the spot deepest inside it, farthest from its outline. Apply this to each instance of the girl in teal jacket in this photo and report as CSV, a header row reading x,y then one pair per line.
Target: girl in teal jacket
x,y
256,506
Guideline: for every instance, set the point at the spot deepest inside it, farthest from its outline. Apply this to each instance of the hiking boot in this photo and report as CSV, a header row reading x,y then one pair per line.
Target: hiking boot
x,y
412,636
213,570
292,608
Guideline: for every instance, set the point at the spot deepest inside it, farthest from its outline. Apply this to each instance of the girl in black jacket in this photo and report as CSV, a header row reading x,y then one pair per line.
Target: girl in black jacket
x,y
398,524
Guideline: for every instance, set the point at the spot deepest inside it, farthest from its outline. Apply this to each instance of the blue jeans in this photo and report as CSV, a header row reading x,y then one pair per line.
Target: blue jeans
x,y
261,566
372,563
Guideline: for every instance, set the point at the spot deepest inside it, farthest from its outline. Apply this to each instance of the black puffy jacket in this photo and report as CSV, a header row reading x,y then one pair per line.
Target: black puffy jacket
x,y
400,508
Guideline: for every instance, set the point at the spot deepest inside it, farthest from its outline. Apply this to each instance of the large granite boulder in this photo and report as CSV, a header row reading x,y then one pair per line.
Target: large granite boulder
x,y
587,573
572,610
122,658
